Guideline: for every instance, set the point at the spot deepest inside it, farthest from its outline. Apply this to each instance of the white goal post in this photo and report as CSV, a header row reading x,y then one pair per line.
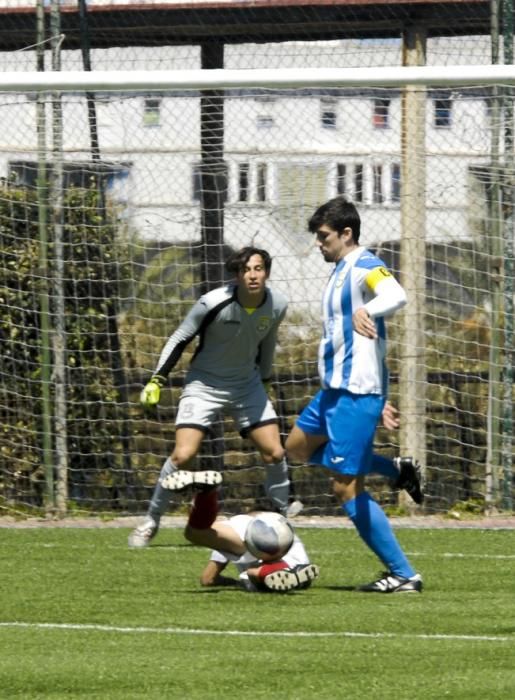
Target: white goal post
x,y
266,78
106,247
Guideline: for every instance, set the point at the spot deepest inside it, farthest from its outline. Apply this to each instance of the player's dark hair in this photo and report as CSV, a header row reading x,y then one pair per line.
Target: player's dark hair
x,y
338,214
237,261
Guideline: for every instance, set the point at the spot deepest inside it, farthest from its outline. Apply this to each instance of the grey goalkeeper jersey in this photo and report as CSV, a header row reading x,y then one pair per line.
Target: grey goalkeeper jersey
x,y
234,347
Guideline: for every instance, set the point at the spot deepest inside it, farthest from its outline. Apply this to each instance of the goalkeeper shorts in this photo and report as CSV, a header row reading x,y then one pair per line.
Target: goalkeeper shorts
x,y
201,405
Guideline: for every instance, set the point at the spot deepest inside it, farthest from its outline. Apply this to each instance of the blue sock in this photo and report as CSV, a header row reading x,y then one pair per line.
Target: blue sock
x,y
375,530
385,467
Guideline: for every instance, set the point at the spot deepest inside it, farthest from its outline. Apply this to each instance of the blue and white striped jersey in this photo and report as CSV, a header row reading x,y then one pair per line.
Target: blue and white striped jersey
x,y
346,359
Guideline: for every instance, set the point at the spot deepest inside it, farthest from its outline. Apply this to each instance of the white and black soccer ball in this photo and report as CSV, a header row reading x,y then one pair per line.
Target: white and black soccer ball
x,y
269,536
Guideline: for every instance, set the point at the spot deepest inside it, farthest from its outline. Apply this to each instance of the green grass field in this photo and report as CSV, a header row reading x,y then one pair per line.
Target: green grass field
x,y
82,616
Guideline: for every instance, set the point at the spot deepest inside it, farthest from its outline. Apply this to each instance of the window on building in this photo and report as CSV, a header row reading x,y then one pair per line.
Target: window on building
x,y
381,113
341,172
377,177
152,111
358,182
396,183
442,112
265,121
328,114
87,174
196,179
243,182
328,118
262,172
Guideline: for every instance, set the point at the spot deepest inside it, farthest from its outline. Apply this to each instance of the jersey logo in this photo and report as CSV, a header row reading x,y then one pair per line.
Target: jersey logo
x,y
337,460
263,323
339,280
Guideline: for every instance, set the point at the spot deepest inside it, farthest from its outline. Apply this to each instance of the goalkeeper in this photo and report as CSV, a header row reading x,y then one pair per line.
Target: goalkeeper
x,y
236,326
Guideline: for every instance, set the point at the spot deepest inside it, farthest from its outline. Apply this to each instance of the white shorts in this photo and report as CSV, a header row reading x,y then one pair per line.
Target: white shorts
x,y
200,405
296,556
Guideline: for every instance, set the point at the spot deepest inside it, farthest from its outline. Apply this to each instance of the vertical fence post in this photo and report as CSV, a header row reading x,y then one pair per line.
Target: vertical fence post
x,y
494,250
59,334
413,380
43,272
213,194
508,287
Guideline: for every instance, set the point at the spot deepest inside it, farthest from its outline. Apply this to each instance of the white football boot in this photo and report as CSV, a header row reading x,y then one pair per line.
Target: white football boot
x,y
286,580
141,536
181,479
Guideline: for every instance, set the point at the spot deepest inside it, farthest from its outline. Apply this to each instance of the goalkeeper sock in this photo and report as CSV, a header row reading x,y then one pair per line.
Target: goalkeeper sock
x,y
277,484
375,530
204,509
161,497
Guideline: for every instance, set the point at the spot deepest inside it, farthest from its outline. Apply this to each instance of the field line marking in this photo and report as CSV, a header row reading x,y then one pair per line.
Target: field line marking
x,y
444,555
247,633
182,548
460,555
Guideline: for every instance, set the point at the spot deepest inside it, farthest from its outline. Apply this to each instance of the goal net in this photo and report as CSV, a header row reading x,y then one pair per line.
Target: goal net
x,y
122,195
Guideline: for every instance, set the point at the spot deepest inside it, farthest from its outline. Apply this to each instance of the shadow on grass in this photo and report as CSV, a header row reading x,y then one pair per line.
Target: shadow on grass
x,y
340,588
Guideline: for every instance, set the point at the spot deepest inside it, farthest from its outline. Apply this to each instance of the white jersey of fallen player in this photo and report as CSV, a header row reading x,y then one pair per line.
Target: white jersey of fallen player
x,y
295,556
234,345
346,359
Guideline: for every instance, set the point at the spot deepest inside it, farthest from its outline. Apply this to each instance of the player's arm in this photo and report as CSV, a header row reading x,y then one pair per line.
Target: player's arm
x,y
212,575
172,352
389,296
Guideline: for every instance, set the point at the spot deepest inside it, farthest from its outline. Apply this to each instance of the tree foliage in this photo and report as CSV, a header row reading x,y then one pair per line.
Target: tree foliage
x,y
94,273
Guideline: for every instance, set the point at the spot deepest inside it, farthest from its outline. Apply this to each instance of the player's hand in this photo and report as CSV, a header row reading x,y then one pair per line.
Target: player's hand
x,y
151,393
390,417
363,324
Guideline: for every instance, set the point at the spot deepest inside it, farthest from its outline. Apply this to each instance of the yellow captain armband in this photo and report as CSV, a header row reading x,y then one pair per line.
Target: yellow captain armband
x,y
378,274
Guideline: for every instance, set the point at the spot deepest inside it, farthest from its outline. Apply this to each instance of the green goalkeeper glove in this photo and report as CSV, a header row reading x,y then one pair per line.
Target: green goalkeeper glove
x,y
151,393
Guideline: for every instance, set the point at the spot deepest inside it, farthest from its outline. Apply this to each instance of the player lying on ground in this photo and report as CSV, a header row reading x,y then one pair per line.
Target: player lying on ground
x,y
236,326
227,540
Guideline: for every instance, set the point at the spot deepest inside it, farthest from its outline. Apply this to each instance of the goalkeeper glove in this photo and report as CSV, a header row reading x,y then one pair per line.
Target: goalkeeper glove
x,y
151,393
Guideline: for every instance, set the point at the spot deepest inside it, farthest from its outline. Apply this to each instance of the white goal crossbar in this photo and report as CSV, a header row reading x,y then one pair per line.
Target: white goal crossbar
x,y
390,76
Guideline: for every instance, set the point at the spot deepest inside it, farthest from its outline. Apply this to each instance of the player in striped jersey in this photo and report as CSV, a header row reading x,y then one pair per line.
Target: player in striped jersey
x,y
236,326
336,430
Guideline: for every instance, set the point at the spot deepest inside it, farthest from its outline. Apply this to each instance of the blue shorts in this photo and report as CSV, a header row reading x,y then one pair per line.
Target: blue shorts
x,y
349,422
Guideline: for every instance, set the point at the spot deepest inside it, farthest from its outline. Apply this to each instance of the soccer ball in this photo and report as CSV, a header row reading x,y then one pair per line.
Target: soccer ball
x,y
269,536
